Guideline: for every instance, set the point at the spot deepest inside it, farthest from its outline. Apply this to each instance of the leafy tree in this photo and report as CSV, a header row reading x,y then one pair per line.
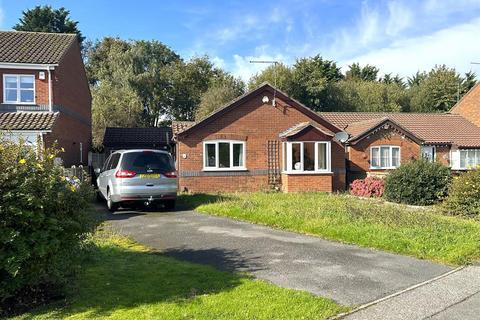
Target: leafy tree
x,y
282,73
416,79
222,90
438,92
369,96
468,82
47,19
312,78
389,79
366,73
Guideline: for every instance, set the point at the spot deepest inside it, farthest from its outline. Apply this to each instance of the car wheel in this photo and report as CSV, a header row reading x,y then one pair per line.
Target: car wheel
x,y
169,204
112,206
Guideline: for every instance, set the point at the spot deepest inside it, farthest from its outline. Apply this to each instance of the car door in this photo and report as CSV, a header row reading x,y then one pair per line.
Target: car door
x,y
111,169
101,181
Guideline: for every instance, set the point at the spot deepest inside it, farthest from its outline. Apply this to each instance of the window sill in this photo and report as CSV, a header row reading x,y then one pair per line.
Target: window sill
x,y
386,168
307,172
223,169
20,103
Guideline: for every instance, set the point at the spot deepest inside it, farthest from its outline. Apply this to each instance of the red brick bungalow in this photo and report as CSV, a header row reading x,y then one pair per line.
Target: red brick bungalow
x,y
255,144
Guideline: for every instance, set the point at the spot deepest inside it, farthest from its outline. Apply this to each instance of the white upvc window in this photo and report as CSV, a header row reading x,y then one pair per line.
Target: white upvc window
x,y
467,159
19,88
384,157
224,155
306,157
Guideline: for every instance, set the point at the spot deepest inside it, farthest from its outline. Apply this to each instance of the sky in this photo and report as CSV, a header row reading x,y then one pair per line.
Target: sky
x,y
398,36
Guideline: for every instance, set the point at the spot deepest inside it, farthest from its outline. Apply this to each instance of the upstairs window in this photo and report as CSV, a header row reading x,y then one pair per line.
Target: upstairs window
x,y
384,157
18,88
306,157
224,155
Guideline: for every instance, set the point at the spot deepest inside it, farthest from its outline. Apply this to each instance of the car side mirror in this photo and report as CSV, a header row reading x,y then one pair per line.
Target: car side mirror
x,y
97,171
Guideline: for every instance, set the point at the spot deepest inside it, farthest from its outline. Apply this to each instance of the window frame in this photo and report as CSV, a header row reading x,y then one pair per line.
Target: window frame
x,y
18,101
217,158
390,157
287,152
467,166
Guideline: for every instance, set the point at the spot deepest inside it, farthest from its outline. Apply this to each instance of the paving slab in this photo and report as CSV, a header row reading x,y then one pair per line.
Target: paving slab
x,y
455,296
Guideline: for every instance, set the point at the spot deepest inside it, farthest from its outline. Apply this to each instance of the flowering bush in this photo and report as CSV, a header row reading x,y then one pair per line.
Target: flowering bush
x,y
43,220
369,187
464,195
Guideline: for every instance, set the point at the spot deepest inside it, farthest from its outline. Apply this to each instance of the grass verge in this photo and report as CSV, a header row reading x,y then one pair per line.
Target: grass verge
x,y
420,233
125,280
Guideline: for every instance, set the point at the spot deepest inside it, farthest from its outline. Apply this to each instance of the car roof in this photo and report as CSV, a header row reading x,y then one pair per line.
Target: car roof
x,y
140,150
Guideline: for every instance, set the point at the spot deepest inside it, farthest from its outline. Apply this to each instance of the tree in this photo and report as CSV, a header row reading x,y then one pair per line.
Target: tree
x,y
468,82
369,96
280,74
47,19
438,91
366,73
222,90
387,78
416,79
312,78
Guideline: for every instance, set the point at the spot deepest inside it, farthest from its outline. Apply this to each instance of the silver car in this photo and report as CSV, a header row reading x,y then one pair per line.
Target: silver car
x,y
138,176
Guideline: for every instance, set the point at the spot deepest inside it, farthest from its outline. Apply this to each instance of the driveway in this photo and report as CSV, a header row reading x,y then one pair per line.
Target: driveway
x,y
345,273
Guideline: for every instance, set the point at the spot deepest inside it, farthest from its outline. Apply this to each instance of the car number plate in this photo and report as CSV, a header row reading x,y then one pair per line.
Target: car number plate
x,y
149,175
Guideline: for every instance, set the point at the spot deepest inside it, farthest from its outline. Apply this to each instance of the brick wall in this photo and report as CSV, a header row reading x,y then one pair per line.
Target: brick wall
x,y
359,154
307,182
255,123
41,86
469,106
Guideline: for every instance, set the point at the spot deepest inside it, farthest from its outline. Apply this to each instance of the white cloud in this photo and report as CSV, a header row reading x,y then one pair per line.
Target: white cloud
x,y
400,18
243,68
455,46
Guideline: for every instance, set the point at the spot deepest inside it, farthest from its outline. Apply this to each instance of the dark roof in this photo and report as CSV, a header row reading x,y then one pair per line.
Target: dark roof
x,y
27,120
299,127
179,126
263,87
432,128
34,47
124,137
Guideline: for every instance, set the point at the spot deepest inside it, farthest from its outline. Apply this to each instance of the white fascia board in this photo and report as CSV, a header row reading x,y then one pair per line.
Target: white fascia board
x,y
27,66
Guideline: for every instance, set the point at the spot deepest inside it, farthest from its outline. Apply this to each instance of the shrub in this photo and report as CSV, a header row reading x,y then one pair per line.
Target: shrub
x,y
43,220
418,182
464,195
368,187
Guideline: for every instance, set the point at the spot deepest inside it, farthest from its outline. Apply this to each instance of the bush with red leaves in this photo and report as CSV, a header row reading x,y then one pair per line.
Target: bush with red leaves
x,y
369,187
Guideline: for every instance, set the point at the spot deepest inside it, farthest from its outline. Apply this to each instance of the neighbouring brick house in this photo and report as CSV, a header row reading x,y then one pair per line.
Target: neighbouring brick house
x,y
45,97
254,144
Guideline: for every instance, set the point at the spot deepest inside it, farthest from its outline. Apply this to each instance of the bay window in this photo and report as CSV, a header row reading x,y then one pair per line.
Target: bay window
x,y
18,88
306,157
224,155
384,157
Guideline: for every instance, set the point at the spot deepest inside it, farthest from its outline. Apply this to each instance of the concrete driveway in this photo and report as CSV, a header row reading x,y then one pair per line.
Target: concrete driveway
x,y
348,274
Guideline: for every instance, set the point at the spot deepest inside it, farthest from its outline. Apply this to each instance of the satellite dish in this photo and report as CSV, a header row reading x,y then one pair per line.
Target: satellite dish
x,y
341,136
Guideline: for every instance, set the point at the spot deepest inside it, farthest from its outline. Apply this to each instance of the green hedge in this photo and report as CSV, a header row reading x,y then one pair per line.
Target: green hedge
x,y
418,182
43,220
464,195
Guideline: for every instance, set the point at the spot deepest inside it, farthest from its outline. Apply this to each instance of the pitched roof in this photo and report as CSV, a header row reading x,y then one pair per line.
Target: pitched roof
x,y
432,128
179,126
34,47
122,137
263,87
27,120
299,127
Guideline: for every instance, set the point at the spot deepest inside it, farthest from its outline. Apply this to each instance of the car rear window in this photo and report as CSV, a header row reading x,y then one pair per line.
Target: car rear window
x,y
147,162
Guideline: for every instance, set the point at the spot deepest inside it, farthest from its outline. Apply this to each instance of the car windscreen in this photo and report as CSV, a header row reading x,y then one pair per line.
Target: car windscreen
x,y
147,162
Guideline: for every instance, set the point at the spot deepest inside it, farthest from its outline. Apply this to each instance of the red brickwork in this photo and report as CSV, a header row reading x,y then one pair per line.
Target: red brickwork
x,y
41,86
469,106
255,123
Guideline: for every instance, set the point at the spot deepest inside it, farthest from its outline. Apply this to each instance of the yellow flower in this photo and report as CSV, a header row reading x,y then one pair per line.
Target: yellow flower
x,y
22,161
39,166
62,178
51,156
72,188
62,149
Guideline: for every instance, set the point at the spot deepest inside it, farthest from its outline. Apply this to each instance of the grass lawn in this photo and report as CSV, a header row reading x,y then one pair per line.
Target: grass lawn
x,y
125,280
420,233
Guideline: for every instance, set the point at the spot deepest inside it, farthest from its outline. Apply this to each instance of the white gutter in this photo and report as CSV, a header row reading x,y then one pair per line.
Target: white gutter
x,y
27,66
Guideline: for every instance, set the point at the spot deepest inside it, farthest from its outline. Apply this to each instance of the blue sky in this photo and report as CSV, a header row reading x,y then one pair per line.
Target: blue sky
x,y
399,36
